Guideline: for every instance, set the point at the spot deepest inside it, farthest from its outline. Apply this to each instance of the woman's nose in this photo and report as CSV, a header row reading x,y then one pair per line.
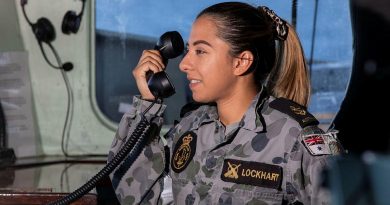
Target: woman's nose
x,y
184,64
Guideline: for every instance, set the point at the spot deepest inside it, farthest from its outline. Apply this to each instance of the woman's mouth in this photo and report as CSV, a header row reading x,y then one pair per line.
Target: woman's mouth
x,y
194,83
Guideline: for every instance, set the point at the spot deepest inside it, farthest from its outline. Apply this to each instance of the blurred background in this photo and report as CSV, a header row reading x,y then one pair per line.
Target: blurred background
x,y
64,120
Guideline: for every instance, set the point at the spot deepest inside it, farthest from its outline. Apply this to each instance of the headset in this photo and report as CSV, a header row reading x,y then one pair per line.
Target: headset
x,y
44,31
71,21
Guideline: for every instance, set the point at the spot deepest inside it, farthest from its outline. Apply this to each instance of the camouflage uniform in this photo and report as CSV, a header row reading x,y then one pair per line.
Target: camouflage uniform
x,y
272,156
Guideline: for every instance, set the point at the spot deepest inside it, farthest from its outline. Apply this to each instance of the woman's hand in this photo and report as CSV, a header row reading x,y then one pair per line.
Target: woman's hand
x,y
150,61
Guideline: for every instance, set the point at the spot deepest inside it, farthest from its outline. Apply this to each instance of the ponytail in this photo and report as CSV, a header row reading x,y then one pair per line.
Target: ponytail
x,y
289,77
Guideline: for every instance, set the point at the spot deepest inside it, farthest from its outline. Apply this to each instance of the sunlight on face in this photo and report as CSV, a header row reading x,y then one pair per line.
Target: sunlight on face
x,y
208,64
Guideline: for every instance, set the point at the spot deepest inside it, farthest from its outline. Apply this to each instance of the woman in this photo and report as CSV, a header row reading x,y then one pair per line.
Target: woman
x,y
248,139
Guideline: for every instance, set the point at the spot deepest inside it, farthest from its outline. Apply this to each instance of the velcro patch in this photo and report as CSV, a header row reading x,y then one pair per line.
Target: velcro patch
x,y
184,151
252,173
316,144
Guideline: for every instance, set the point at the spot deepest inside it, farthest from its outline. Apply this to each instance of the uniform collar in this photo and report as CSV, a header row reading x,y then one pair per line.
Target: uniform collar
x,y
252,119
205,114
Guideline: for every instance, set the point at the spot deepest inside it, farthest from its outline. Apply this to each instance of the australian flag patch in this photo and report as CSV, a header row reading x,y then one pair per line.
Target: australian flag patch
x,y
316,144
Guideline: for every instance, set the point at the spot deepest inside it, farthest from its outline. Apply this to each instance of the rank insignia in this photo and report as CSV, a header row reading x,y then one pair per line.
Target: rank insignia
x,y
294,110
184,151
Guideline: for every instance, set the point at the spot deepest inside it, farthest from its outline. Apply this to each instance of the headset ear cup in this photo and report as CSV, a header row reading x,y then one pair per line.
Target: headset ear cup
x,y
70,23
44,30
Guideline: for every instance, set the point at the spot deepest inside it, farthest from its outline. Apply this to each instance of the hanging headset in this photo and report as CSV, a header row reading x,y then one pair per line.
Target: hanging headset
x,y
43,29
44,32
71,21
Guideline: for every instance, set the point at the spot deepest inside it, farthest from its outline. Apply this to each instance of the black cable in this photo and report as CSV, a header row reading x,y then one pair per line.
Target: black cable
x,y
313,36
47,163
69,107
82,8
69,116
22,3
132,149
294,14
150,188
65,173
127,163
69,112
63,67
45,56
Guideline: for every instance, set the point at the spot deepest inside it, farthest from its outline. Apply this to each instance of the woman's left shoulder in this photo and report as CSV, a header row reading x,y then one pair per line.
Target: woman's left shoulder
x,y
316,141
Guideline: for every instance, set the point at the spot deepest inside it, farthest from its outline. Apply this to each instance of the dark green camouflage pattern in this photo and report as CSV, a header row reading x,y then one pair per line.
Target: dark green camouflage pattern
x,y
277,143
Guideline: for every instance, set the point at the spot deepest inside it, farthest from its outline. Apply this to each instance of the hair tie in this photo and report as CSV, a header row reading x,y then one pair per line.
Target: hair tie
x,y
280,25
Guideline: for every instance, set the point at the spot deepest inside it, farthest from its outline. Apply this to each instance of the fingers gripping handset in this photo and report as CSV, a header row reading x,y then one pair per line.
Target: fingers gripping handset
x,y
151,79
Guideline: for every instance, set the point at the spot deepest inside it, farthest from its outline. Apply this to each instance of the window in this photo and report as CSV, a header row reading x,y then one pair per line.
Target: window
x,y
125,28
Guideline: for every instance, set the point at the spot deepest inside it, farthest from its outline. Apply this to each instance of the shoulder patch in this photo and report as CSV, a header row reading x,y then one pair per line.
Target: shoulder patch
x,y
318,142
334,144
315,144
294,110
191,106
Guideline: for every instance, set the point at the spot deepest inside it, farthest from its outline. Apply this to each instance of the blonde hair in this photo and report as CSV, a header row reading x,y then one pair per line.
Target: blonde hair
x,y
290,77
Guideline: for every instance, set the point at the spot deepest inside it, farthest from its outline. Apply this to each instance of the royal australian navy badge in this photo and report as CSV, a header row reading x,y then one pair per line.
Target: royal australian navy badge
x,y
184,151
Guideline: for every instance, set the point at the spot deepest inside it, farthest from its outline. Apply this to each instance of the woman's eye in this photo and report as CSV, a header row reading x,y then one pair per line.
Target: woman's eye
x,y
198,52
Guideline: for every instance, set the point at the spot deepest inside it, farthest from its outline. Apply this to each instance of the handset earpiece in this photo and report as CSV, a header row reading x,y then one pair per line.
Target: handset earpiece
x,y
170,45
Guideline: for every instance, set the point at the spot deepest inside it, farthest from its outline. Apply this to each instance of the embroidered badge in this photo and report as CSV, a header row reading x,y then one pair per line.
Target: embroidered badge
x,y
297,110
252,173
334,145
184,151
315,144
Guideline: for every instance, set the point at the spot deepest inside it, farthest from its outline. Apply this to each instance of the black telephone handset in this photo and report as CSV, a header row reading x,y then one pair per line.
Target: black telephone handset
x,y
170,45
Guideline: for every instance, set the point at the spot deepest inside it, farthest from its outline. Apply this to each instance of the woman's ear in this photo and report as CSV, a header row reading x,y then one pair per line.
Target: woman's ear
x,y
242,62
